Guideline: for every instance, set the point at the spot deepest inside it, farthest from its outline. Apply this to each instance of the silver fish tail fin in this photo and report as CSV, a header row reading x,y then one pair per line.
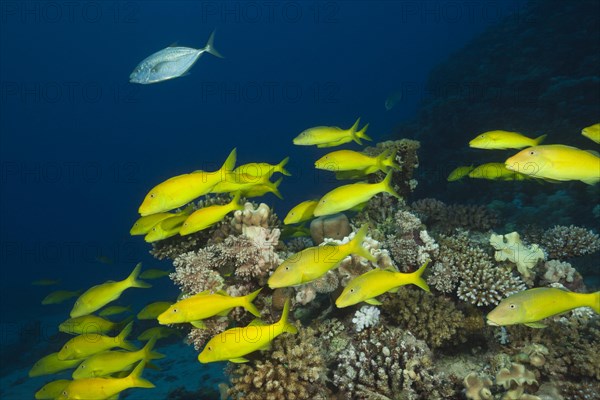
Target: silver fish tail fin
x,y
210,46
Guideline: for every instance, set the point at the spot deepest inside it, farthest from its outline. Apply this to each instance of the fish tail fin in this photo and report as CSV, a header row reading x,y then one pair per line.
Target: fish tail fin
x,y
354,133
356,244
539,140
287,327
275,188
147,350
210,46
595,304
281,167
136,377
121,338
362,135
123,324
229,165
133,281
390,161
235,201
387,185
418,279
251,308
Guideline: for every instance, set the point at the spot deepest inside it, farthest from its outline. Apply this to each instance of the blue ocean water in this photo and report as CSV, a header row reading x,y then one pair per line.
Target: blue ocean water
x,y
80,146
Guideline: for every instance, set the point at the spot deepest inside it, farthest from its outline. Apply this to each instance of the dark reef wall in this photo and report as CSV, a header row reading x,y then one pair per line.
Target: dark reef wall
x,y
536,72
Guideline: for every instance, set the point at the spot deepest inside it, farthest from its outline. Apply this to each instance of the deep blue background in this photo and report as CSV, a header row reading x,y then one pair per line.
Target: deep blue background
x,y
80,146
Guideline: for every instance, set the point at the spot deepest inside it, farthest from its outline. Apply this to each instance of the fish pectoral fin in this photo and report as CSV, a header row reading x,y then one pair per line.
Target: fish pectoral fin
x,y
536,325
238,360
373,302
394,290
198,324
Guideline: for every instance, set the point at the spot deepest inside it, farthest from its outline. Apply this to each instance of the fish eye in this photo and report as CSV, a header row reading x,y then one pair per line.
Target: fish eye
x,y
482,136
174,310
152,195
209,348
512,306
532,152
82,366
352,290
287,268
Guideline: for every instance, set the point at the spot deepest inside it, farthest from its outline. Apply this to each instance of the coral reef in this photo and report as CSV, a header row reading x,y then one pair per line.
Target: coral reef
x,y
366,317
563,242
509,247
446,218
466,269
294,370
335,226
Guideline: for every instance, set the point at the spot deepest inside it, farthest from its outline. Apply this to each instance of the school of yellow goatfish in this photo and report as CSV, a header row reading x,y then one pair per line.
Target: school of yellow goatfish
x,y
107,365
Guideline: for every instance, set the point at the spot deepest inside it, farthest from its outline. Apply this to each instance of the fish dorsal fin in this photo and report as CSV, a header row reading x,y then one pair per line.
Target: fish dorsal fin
x,y
391,269
174,44
257,322
373,302
537,325
222,293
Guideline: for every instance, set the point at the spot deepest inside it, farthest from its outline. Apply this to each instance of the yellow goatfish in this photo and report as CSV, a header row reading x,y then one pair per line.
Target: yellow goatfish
x,y
52,390
459,172
166,228
348,196
109,362
143,225
50,364
557,162
208,216
494,172
89,324
205,305
262,189
592,132
153,273
263,169
153,310
98,296
83,346
328,136
531,306
103,388
160,332
59,296
349,160
314,262
234,344
368,286
500,140
300,213
182,189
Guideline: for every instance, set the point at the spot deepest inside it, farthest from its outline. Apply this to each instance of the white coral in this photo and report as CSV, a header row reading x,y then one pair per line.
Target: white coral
x,y
557,270
365,317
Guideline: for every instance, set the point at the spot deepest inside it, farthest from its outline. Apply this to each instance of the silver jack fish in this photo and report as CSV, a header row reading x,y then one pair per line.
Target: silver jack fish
x,y
170,63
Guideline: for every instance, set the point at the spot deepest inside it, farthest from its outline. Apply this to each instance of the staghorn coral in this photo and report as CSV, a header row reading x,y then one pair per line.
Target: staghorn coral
x,y
389,363
294,369
446,218
366,317
561,242
434,319
465,268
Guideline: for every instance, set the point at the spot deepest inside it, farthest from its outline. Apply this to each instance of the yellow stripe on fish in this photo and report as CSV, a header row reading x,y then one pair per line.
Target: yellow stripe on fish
x,y
557,162
236,343
182,189
533,305
368,286
314,262
500,140
204,305
208,216
103,388
348,196
329,136
98,296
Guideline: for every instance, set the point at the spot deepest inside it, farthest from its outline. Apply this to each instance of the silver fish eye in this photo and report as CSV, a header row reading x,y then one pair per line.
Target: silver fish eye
x,y
512,306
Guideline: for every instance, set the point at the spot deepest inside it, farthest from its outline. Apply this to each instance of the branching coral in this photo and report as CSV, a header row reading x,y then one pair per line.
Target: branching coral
x,y
386,363
432,318
464,267
294,370
561,242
